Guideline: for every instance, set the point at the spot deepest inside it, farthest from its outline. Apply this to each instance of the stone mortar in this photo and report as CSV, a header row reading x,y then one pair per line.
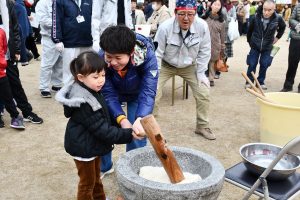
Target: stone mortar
x,y
133,187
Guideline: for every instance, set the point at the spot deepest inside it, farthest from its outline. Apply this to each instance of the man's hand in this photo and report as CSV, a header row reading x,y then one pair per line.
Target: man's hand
x,y
96,46
297,28
125,123
275,40
59,46
203,79
138,128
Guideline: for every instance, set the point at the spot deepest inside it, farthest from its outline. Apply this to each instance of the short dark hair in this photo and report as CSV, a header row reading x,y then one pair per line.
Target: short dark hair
x,y
86,63
118,39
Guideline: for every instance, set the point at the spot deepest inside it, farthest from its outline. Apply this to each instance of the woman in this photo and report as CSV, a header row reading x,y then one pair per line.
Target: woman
x,y
286,13
159,15
241,16
216,25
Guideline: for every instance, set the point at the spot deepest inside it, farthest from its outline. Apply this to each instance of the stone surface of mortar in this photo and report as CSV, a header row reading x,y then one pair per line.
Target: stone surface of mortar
x,y
133,187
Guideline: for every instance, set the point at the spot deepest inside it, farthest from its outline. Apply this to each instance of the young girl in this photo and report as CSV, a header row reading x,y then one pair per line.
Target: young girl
x,y
216,25
89,133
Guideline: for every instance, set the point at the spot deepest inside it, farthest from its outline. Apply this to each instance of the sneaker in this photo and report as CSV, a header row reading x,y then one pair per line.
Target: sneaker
x,y
24,63
1,122
38,59
286,90
206,133
217,76
45,94
263,86
111,170
211,83
33,118
17,123
247,85
55,88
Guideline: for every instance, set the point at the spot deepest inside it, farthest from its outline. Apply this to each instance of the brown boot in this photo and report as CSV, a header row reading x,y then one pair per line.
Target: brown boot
x,y
205,132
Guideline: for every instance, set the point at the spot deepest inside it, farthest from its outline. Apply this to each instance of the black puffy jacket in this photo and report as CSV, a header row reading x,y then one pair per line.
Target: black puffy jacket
x,y
89,131
260,39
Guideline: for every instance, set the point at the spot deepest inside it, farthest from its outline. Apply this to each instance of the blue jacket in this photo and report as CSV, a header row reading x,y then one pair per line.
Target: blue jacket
x,y
139,84
65,26
25,27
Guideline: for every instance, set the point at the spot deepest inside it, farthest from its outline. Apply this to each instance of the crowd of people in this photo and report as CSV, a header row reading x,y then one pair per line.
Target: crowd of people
x,y
95,62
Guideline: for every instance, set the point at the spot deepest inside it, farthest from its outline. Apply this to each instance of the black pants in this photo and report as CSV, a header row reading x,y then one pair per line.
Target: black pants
x,y
30,44
293,60
7,98
18,92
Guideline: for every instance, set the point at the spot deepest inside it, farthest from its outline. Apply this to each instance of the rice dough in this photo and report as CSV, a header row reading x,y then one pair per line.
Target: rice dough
x,y
158,174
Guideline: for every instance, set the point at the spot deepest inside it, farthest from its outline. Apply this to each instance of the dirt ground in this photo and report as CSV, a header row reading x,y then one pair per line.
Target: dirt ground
x,y
34,164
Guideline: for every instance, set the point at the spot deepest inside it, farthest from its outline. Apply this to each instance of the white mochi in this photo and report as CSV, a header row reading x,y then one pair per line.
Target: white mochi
x,y
158,174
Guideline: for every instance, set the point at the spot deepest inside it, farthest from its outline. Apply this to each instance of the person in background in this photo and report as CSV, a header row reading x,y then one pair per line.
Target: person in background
x,y
89,132
148,9
252,10
71,30
261,38
160,14
24,29
109,13
5,91
240,14
216,25
137,14
30,41
294,56
12,70
247,16
286,13
229,13
184,49
200,8
51,64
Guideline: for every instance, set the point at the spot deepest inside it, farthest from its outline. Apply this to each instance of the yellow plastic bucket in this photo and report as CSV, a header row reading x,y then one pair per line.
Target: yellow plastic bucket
x,y
280,121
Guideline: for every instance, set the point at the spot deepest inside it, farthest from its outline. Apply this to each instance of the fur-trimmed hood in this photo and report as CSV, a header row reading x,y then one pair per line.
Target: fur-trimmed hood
x,y
73,95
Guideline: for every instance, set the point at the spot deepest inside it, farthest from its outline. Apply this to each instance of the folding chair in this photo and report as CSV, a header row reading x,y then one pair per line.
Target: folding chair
x,y
185,91
285,189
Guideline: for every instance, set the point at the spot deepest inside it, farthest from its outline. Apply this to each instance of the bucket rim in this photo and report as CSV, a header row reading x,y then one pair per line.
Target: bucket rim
x,y
275,104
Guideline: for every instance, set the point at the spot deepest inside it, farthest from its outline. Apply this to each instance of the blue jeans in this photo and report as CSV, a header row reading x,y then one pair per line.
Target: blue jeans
x,y
265,60
106,161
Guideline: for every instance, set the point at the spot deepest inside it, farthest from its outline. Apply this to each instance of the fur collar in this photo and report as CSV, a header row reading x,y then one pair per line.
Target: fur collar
x,y
73,95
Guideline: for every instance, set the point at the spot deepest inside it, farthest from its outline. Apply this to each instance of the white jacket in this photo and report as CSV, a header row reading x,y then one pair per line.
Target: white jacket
x,y
196,50
105,14
43,11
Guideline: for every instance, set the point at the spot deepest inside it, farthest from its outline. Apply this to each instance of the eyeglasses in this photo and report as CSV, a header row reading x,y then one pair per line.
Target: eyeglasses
x,y
189,15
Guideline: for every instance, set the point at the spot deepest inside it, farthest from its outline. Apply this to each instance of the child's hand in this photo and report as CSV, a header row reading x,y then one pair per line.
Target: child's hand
x,y
125,123
137,137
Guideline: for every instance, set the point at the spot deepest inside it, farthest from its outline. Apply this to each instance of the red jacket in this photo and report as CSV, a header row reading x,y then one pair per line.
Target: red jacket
x,y
3,50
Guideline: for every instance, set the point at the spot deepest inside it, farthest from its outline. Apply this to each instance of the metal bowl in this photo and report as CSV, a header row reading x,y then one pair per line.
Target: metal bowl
x,y
258,156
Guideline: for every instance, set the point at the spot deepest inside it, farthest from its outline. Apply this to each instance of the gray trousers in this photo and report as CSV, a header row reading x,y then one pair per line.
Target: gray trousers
x,y
51,65
200,92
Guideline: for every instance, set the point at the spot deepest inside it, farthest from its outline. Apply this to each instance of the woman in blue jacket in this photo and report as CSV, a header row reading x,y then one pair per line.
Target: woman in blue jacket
x,y
131,77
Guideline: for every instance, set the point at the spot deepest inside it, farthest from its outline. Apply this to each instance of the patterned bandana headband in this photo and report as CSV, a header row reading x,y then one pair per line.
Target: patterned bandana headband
x,y
186,5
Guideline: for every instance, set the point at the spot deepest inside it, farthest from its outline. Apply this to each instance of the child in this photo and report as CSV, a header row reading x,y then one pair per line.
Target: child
x,y
131,77
5,90
89,133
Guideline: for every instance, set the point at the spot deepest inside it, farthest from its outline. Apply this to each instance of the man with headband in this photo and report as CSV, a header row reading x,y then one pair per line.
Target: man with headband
x,y
184,49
